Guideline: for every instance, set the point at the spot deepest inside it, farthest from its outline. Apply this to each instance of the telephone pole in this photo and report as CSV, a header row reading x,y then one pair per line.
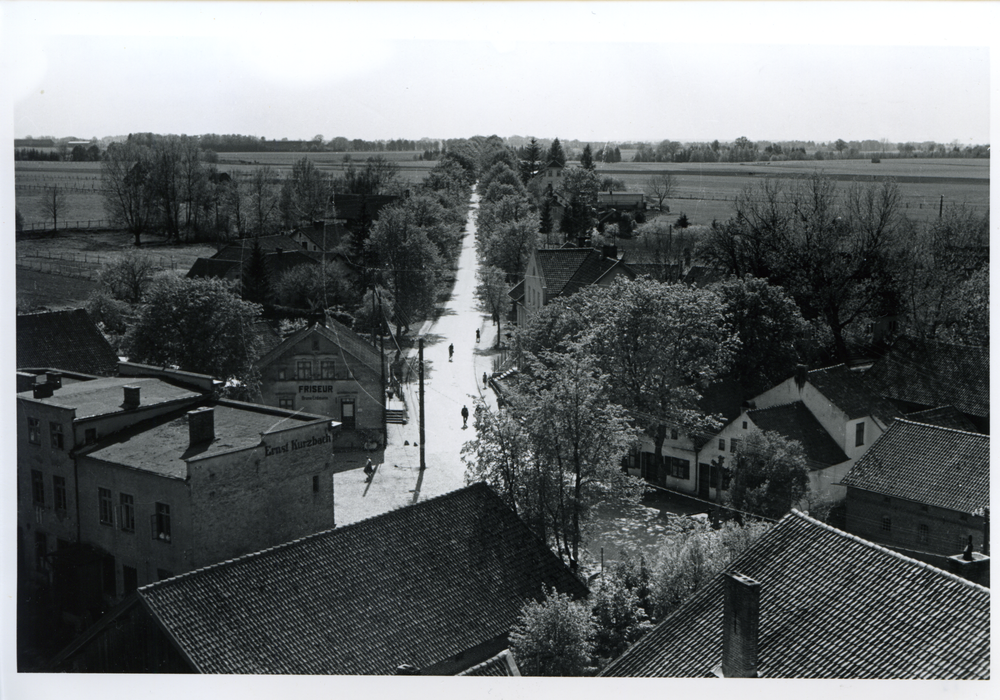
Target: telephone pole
x,y
420,369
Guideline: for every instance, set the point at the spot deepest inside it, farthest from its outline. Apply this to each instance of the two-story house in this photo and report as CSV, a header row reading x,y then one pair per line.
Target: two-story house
x,y
328,369
554,272
921,488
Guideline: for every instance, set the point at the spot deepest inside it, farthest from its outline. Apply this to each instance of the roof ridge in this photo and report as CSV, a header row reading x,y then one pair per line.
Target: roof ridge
x,y
872,545
321,533
778,405
824,369
942,427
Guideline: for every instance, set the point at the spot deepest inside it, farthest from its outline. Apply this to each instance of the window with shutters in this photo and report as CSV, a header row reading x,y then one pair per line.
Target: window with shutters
x,y
37,488
127,504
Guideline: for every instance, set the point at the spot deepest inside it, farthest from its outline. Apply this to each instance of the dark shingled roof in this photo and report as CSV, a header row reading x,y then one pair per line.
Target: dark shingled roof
x,y
67,340
240,250
517,291
796,422
852,393
927,464
831,606
945,417
568,270
417,585
930,373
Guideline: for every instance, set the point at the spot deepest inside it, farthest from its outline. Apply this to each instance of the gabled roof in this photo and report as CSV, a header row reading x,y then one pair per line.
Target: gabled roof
x,y
67,340
944,417
210,267
931,373
832,606
417,585
337,333
568,270
927,464
852,393
239,250
325,237
796,422
502,664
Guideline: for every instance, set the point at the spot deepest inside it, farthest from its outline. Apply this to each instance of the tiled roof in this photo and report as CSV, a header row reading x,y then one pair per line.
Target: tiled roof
x,y
417,585
796,422
943,416
239,250
502,664
210,267
567,270
927,464
67,340
831,606
326,237
930,373
852,393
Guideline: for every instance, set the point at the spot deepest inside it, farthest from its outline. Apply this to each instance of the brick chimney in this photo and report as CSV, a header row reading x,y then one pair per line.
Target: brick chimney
x,y
801,376
54,378
741,626
971,565
42,391
131,396
201,425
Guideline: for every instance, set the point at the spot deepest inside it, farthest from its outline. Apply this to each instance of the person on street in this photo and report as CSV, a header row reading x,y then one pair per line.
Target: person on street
x,y
477,335
485,380
451,351
465,417
369,470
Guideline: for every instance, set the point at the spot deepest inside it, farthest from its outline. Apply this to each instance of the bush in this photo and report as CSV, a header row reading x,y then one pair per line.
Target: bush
x,y
554,637
682,221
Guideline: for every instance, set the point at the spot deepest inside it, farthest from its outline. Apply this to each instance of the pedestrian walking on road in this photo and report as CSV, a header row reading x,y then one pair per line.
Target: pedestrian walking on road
x,y
485,380
465,417
451,351
477,335
369,470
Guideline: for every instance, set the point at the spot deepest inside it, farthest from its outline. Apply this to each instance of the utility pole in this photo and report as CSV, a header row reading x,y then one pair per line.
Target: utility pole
x,y
381,342
420,369
941,207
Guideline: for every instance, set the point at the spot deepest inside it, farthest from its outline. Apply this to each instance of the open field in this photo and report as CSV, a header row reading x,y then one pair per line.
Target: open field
x,y
706,191
60,271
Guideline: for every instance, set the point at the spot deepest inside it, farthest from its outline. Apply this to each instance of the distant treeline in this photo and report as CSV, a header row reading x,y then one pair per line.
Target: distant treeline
x,y
35,154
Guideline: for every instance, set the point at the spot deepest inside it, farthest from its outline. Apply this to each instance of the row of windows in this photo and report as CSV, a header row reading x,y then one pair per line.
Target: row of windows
x,y
923,532
734,444
159,520
38,496
35,433
304,370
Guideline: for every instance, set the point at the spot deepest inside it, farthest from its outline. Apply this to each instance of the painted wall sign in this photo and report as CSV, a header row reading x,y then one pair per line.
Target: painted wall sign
x,y
293,445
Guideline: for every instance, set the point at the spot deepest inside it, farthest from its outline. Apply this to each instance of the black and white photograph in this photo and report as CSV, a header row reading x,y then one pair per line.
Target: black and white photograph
x,y
360,345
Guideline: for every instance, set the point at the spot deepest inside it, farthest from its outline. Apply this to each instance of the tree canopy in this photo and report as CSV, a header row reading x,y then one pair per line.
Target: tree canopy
x,y
770,474
553,637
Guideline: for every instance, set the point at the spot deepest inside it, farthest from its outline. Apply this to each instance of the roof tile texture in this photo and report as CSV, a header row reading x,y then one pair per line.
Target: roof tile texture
x,y
417,585
931,373
852,393
832,606
67,340
927,464
796,422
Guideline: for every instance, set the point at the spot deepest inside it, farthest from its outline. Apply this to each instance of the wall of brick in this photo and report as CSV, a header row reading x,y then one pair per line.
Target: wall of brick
x,y
248,500
947,533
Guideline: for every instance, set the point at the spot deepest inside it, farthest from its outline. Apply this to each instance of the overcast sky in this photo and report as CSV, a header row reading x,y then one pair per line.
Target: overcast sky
x,y
589,71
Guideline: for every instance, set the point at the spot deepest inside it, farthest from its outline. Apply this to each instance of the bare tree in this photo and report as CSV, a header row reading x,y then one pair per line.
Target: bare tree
x,y
128,276
661,187
54,204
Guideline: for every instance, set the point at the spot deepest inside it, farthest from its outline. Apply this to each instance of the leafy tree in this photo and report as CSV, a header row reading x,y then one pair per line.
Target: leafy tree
x,y
770,475
198,325
545,220
619,617
840,145
579,186
379,176
660,187
53,201
407,261
491,293
316,287
305,194
263,200
683,564
556,154
255,277
682,221
128,197
587,159
769,326
553,637
127,276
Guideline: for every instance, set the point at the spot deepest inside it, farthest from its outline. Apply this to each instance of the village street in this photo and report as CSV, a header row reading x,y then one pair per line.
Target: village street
x,y
449,386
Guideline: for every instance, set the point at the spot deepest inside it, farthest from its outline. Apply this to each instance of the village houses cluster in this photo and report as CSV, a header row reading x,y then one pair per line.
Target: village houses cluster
x,y
177,531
